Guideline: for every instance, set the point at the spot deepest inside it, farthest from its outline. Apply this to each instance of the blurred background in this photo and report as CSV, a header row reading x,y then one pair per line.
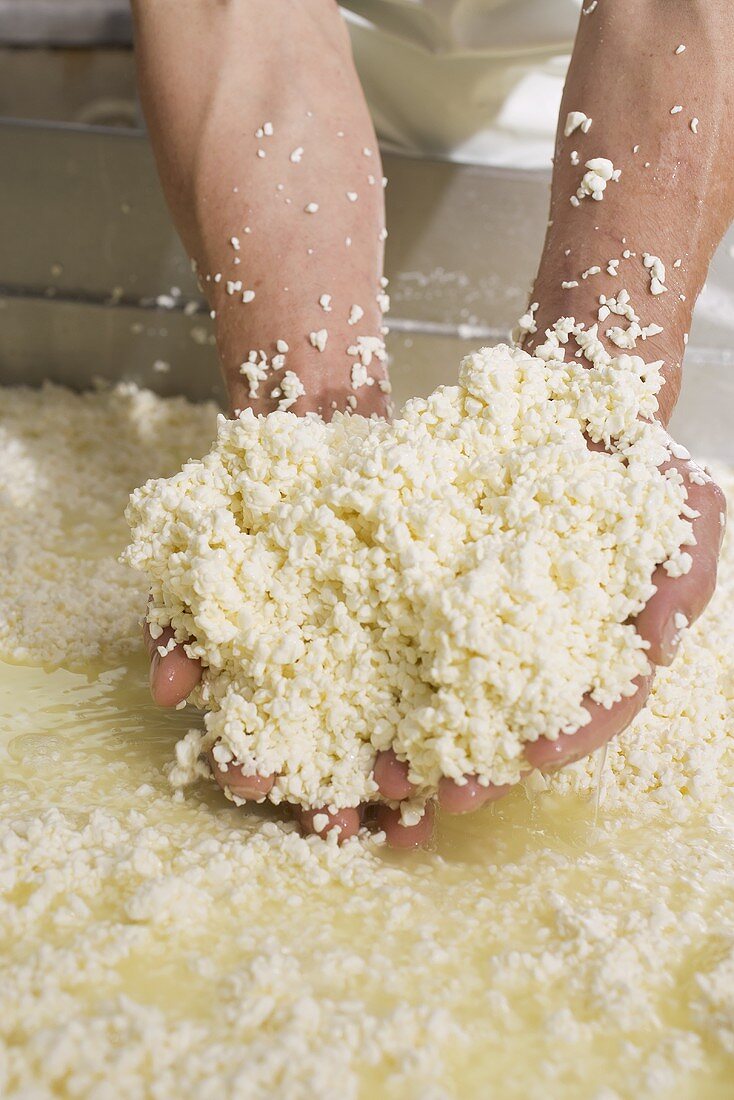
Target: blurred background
x,y
94,283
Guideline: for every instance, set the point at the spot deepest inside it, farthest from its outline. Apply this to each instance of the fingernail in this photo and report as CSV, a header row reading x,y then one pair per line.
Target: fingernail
x,y
671,636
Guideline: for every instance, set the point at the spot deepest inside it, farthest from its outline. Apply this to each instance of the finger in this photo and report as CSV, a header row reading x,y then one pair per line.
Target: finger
x,y
405,836
546,755
253,788
150,644
391,777
174,676
678,601
347,821
597,445
456,798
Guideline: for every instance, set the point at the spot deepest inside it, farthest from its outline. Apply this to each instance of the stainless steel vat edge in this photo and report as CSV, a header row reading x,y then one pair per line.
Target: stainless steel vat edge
x,y
94,282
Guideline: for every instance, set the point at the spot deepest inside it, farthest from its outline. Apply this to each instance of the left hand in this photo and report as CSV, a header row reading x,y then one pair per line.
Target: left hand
x,y
174,676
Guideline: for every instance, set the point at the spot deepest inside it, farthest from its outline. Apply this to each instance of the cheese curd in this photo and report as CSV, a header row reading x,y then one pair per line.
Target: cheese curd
x,y
574,939
450,585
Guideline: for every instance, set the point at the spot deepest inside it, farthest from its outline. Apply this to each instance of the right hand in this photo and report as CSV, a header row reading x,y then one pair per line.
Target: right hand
x,y
174,676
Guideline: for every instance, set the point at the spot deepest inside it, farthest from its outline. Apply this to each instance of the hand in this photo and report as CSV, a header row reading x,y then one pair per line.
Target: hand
x,y
670,200
174,676
241,197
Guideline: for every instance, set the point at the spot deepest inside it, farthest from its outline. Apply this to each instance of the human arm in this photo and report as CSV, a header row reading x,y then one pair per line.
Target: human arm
x,y
583,236
211,77
674,200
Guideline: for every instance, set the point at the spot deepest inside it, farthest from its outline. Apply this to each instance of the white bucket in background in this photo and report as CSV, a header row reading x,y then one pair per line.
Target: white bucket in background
x,y
477,81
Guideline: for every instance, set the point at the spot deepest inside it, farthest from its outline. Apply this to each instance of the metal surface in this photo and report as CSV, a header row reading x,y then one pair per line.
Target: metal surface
x,y
94,282
68,22
89,255
82,212
91,87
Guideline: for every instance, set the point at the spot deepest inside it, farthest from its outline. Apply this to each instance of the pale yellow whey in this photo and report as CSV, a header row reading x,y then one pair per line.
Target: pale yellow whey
x,y
155,945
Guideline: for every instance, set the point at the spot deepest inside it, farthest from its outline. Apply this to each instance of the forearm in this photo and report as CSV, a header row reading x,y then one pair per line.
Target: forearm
x,y
211,76
675,196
